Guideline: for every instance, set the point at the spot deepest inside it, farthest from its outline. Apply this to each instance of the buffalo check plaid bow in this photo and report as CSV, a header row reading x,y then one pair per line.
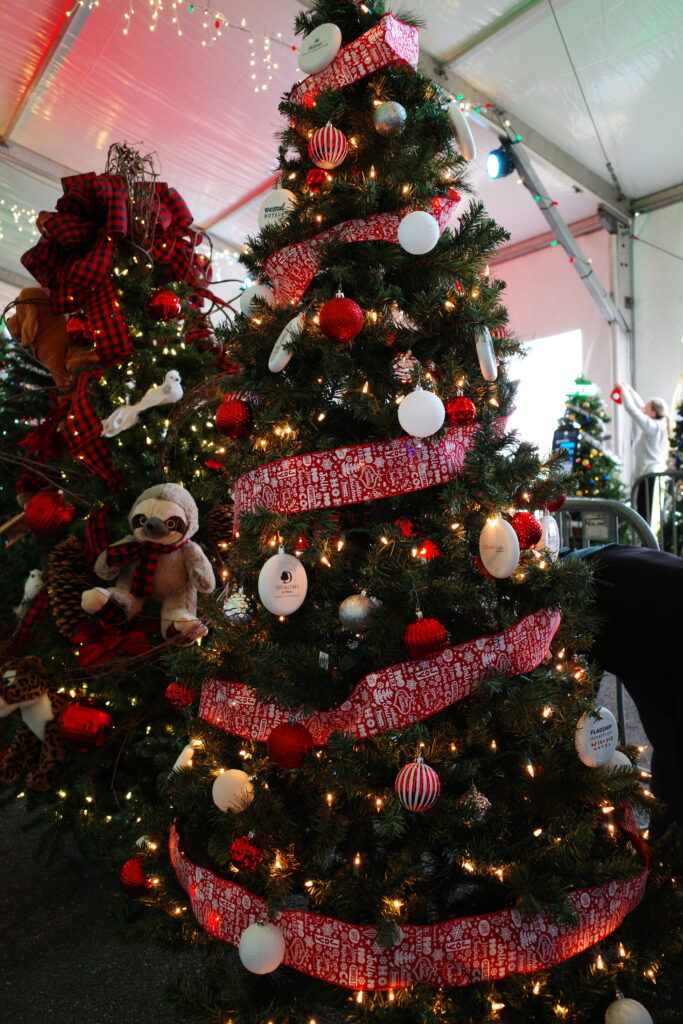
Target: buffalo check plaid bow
x,y
174,242
75,256
83,429
146,556
97,531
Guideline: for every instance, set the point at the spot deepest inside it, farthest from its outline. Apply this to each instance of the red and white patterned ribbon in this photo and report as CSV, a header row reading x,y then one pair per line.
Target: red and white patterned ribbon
x,y
395,696
458,952
390,41
344,476
292,268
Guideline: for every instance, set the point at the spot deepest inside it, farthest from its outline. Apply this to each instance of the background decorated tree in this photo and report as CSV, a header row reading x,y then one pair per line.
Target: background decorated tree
x,y
398,801
597,472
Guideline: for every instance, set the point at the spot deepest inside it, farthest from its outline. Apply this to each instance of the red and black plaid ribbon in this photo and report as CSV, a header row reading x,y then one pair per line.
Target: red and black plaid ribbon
x,y
174,242
75,256
97,531
24,631
146,555
83,429
44,442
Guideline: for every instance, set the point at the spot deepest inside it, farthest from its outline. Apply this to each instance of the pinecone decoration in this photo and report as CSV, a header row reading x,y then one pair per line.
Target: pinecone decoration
x,y
66,578
220,525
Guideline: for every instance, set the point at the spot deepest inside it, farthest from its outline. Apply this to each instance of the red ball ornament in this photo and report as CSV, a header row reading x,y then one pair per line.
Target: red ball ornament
x,y
417,786
78,330
315,179
328,147
289,744
528,529
164,304
132,877
234,418
47,514
406,527
301,544
556,504
245,853
460,410
85,724
428,550
179,695
498,333
616,395
481,568
341,319
424,637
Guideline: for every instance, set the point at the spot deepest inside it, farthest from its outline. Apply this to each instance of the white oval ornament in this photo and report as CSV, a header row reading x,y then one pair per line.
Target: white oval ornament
x,y
550,536
319,48
627,1011
281,355
275,207
499,548
262,947
232,791
418,232
486,354
421,413
282,584
256,291
596,739
619,760
462,130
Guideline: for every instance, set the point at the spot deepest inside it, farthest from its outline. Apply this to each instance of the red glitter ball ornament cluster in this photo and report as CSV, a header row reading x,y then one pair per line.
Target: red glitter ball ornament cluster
x,y
133,878
164,304
234,418
47,514
424,637
179,695
460,410
245,853
288,745
85,724
527,528
341,319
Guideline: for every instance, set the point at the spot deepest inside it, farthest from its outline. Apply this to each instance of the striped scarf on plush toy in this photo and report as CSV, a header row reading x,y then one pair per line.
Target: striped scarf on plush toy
x,y
146,555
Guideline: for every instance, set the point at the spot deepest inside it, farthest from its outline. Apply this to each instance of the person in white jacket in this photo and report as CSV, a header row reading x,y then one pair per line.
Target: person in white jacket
x,y
651,449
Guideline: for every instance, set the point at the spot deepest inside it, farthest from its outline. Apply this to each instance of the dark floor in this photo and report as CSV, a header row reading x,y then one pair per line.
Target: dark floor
x,y
62,958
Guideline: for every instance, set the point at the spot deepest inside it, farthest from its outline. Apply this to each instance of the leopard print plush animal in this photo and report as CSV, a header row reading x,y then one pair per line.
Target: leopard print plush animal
x,y
28,687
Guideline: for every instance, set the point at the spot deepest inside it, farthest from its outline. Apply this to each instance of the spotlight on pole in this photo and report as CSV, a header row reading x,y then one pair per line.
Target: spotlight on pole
x,y
499,163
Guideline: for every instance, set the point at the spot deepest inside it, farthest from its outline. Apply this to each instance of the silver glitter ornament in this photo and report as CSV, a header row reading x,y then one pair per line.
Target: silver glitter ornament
x,y
237,609
356,611
405,367
476,804
389,119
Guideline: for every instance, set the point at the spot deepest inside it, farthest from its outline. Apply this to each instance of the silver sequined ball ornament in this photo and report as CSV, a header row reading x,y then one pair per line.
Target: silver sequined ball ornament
x,y
237,609
476,804
389,119
355,612
405,367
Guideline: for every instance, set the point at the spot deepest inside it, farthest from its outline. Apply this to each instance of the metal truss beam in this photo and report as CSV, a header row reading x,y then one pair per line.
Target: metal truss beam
x,y
658,200
489,31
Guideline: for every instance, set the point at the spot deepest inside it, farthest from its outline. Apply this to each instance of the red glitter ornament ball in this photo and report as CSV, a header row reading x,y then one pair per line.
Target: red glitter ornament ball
x,y
460,410
417,786
315,179
47,514
133,878
424,637
164,304
556,504
234,418
179,695
289,744
427,549
85,724
301,544
78,330
328,147
527,528
481,568
245,853
341,319
406,527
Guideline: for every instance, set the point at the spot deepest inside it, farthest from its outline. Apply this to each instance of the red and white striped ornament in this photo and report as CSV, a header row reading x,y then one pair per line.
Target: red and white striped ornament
x,y
328,147
417,786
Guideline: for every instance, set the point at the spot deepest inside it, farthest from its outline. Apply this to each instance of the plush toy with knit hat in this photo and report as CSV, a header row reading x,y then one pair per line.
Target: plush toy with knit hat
x,y
157,560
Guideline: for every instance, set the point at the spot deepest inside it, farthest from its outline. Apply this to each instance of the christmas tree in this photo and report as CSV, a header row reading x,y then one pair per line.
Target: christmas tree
x,y
398,800
596,471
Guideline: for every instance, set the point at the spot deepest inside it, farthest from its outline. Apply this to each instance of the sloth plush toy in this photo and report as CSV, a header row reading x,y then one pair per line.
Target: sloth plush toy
x,y
157,560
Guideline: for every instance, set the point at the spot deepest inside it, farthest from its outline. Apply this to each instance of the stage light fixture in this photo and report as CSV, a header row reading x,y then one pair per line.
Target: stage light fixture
x,y
499,163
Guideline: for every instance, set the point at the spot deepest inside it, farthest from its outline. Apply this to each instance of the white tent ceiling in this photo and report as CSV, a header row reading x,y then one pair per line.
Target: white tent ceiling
x,y
68,89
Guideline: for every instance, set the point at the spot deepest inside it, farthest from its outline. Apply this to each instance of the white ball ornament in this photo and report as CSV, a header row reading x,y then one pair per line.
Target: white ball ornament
x,y
499,547
618,760
280,355
319,48
282,583
262,947
486,354
462,130
232,791
255,291
627,1011
418,232
421,413
596,739
275,207
550,536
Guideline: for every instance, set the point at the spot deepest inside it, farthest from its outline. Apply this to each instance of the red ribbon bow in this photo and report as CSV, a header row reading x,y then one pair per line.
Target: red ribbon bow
x,y
99,647
75,257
